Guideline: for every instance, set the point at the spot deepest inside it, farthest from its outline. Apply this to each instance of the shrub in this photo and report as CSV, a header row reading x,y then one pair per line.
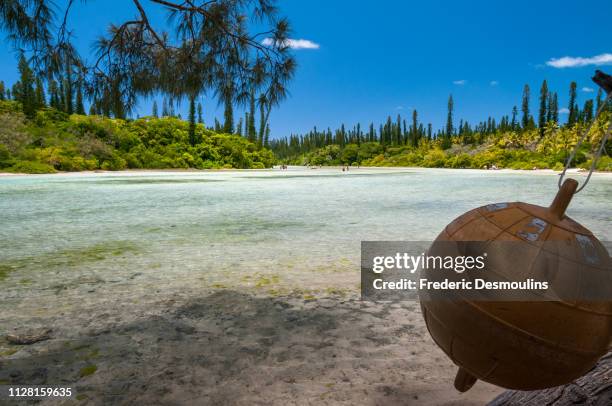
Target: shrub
x,y
5,156
434,159
116,163
31,167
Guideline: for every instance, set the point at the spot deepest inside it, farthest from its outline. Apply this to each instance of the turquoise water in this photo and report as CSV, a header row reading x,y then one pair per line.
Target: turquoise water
x,y
219,227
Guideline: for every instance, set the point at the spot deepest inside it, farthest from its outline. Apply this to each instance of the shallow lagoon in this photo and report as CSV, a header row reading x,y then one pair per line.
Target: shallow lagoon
x,y
273,231
204,222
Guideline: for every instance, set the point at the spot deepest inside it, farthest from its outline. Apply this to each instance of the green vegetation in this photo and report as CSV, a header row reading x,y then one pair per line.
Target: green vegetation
x,y
510,143
88,370
54,141
504,150
4,271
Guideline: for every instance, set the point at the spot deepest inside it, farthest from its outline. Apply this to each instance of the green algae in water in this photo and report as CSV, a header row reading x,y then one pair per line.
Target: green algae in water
x,y
264,281
4,271
88,370
72,256
146,181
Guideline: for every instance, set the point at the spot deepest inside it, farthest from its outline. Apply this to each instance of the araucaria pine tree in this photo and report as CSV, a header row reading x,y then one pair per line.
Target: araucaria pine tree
x,y
228,115
262,120
414,130
525,108
54,99
542,117
24,89
200,116
252,132
239,127
40,94
446,142
154,112
165,110
572,107
192,121
79,106
587,112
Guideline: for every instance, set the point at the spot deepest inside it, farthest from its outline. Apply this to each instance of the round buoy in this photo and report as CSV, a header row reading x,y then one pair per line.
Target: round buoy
x,y
526,345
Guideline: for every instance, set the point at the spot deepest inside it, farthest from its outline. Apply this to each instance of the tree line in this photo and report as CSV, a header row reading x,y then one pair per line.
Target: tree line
x,y
400,131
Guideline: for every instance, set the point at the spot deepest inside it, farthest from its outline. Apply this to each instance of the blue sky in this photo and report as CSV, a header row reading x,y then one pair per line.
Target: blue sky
x,y
387,57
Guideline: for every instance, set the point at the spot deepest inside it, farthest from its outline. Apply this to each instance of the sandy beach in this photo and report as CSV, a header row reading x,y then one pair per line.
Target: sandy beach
x,y
230,347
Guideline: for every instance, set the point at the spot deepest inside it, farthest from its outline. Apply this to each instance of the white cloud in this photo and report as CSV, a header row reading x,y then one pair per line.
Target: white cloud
x,y
574,62
294,43
399,108
564,110
494,83
588,89
460,82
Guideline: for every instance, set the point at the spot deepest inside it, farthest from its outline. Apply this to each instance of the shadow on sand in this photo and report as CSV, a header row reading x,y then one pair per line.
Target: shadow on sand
x,y
233,348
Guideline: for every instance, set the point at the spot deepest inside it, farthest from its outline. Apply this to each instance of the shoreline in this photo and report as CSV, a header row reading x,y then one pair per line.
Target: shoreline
x,y
292,169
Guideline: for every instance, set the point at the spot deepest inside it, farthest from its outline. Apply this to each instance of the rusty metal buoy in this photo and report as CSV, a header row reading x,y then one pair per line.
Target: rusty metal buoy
x,y
526,345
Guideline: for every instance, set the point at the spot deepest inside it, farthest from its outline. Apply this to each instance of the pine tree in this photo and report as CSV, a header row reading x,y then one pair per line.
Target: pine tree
x,y
262,119
24,89
573,113
62,96
398,130
239,127
40,94
525,108
53,95
79,107
446,142
165,110
192,121
414,131
200,116
543,111
587,112
92,109
252,132
155,113
2,95
514,123
171,107
228,115
549,107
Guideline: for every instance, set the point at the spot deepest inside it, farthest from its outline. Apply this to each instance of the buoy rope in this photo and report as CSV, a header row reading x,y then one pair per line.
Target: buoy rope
x,y
584,135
